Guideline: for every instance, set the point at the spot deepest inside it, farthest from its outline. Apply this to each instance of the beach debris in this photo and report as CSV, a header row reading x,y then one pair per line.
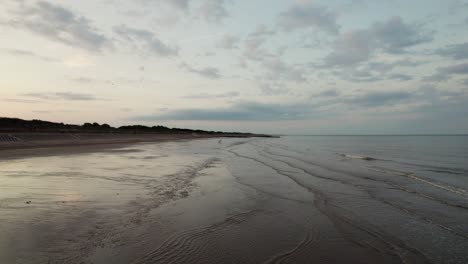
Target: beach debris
x,y
27,202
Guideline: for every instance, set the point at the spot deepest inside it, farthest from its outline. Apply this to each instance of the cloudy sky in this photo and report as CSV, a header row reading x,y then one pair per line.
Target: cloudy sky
x,y
273,66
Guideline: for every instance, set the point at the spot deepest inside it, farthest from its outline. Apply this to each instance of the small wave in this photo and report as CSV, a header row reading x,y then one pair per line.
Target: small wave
x,y
236,144
357,157
433,168
413,176
127,150
445,171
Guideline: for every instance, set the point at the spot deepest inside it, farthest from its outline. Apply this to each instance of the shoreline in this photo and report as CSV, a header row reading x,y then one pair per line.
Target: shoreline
x,y
52,144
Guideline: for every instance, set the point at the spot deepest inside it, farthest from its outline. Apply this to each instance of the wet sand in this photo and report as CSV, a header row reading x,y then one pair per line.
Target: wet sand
x,y
43,144
221,201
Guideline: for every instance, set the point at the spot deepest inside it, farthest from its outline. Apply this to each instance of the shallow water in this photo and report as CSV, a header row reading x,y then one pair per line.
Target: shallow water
x,y
288,200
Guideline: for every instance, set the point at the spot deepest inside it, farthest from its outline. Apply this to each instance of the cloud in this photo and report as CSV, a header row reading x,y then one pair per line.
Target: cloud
x,y
400,101
456,51
145,7
229,42
84,80
126,109
308,15
431,93
374,71
445,73
280,70
17,100
207,72
438,77
59,24
213,11
253,45
351,48
182,4
329,93
145,40
368,74
244,111
207,54
54,111
383,67
456,6
400,77
262,31
332,104
179,4
361,76
374,99
442,105
273,87
392,36
66,96
19,52
212,96
165,13
253,49
27,53
275,71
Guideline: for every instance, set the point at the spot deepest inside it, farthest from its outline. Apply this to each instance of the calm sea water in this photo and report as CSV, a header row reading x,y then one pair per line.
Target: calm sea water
x,y
295,199
441,158
404,196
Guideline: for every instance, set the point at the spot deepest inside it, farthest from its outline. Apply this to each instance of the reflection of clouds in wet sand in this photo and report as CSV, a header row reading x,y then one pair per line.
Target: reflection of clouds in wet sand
x,y
97,195
229,200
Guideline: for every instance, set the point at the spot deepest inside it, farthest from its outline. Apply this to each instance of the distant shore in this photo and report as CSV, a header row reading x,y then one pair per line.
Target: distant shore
x,y
20,138
19,145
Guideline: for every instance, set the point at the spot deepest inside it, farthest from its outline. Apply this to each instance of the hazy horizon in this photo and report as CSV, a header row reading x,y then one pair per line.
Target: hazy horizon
x,y
344,67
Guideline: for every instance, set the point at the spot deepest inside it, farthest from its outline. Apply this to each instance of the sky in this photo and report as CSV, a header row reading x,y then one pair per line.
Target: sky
x,y
267,66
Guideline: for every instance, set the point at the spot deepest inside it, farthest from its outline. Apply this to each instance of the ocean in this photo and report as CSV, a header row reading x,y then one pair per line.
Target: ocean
x,y
294,199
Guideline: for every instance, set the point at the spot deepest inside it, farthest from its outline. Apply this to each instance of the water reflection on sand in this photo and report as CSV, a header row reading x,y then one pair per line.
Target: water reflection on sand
x,y
224,201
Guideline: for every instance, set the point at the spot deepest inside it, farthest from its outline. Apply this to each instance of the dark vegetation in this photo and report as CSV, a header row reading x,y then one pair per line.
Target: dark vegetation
x,y
40,126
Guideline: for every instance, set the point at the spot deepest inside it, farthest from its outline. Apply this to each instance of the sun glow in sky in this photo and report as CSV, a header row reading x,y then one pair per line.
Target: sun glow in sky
x,y
276,66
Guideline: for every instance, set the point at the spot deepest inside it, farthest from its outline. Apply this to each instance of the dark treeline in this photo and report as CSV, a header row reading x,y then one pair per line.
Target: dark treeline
x,y
20,125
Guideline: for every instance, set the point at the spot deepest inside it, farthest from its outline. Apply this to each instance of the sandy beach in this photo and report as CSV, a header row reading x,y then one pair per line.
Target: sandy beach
x,y
225,200
20,145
